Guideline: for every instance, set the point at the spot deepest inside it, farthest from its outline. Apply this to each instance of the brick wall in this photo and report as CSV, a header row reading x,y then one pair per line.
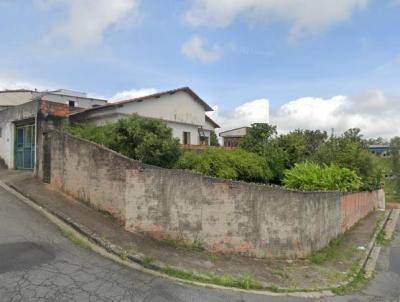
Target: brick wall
x,y
355,206
226,216
55,109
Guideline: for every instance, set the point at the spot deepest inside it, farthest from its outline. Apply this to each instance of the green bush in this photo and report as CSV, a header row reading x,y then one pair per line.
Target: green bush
x,y
145,139
349,151
237,164
309,176
261,139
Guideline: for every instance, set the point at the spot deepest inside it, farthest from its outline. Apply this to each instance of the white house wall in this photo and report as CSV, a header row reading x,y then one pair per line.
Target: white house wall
x,y
178,107
178,129
14,98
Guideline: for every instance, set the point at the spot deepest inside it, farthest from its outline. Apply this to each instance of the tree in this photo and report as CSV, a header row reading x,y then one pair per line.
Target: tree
x,y
258,136
261,139
145,139
395,163
213,139
300,145
349,151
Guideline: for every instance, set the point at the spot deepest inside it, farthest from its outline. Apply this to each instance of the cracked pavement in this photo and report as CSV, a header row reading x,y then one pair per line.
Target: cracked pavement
x,y
38,264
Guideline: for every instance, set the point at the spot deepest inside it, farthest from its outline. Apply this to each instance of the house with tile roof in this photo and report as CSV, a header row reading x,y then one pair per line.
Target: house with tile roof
x,y
181,109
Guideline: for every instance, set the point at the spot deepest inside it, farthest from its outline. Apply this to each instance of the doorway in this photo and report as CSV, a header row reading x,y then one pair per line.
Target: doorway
x,y
25,147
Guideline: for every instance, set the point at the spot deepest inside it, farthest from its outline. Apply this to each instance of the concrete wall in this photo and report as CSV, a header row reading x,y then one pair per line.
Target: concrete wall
x,y
225,216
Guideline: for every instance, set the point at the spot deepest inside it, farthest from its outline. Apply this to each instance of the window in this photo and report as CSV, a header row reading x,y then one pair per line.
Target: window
x,y
71,103
186,138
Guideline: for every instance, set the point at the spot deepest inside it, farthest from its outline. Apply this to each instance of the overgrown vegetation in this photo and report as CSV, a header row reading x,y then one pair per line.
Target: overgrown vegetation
x,y
301,159
214,139
349,151
145,139
393,178
237,164
309,176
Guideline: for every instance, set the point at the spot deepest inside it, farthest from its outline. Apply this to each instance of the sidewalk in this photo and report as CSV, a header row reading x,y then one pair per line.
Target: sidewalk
x,y
325,269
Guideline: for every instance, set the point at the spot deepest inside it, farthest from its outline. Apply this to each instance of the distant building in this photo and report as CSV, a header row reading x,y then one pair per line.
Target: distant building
x,y
231,138
74,99
181,109
382,150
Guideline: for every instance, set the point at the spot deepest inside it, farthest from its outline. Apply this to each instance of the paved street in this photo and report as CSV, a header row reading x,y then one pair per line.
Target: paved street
x,y
38,264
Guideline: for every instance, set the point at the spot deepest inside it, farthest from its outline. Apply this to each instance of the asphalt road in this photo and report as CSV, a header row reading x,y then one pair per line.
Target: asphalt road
x,y
38,264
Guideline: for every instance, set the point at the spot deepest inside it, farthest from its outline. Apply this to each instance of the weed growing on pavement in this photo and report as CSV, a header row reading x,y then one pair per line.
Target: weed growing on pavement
x,y
332,251
213,257
198,245
358,281
148,261
243,281
380,239
75,239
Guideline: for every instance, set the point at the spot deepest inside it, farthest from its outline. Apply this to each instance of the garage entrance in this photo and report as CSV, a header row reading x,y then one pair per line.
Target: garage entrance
x,y
25,147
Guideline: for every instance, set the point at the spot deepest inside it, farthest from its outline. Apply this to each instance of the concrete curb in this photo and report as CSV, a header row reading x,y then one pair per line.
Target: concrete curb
x,y
136,262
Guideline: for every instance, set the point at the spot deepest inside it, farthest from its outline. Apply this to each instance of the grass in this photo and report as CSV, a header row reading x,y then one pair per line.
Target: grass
x,y
213,257
333,251
281,273
197,245
358,282
380,239
75,239
148,261
392,185
243,281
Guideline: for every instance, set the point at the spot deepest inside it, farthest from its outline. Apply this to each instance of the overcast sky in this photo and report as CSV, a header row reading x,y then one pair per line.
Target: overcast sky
x,y
314,63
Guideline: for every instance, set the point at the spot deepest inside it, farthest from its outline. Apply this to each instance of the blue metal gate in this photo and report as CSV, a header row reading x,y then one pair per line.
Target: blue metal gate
x,y
25,147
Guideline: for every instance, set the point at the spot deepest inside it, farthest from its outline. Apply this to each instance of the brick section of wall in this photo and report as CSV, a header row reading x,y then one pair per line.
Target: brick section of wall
x,y
356,206
226,216
55,109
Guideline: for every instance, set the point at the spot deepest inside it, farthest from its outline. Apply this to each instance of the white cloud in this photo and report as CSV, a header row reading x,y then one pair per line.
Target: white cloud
x,y
374,113
194,49
256,111
7,83
304,16
88,20
131,94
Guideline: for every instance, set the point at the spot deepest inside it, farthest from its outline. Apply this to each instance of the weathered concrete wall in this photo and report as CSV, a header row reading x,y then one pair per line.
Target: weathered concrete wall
x,y
224,216
89,173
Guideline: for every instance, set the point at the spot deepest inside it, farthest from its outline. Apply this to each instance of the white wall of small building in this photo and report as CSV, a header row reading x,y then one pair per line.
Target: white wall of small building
x,y
14,98
79,101
7,125
178,129
178,107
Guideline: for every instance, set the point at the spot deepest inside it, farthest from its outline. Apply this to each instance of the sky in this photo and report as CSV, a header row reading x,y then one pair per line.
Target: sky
x,y
312,64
